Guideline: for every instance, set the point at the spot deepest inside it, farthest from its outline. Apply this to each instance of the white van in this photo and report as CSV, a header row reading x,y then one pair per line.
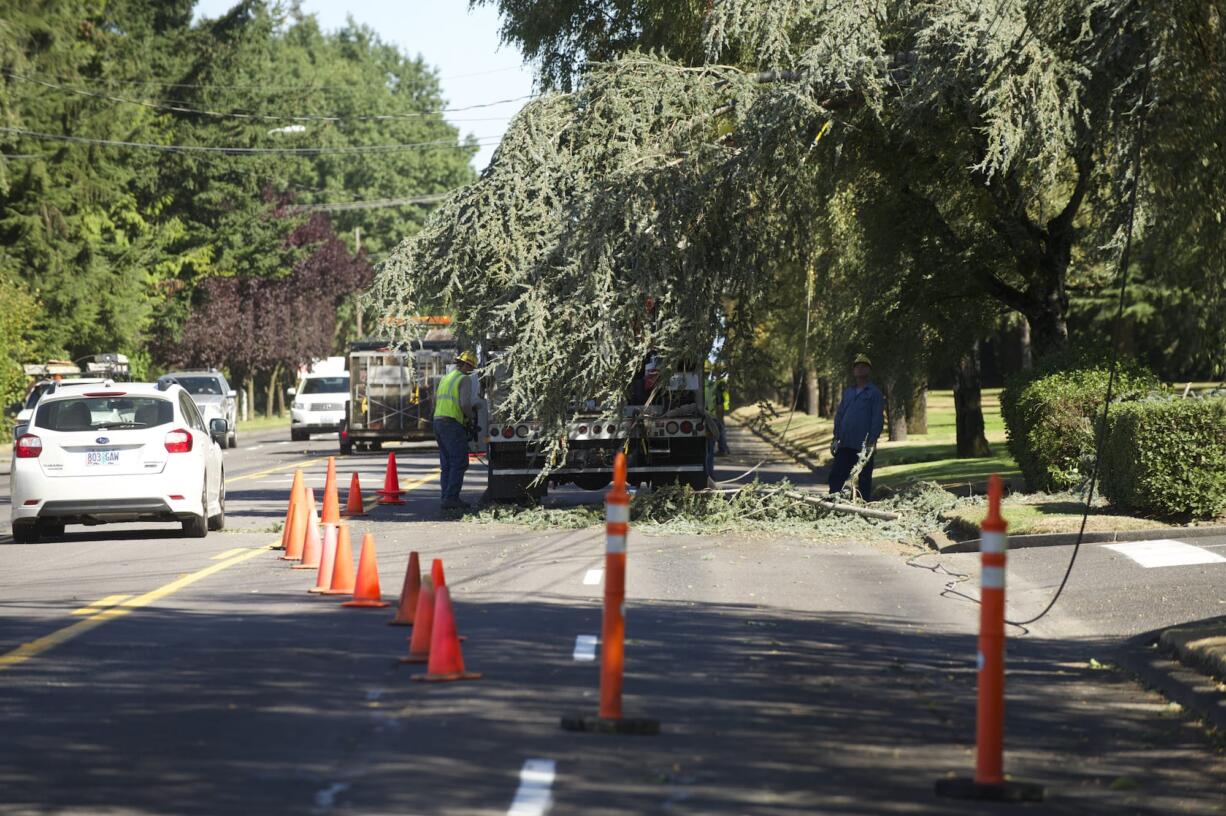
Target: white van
x,y
321,401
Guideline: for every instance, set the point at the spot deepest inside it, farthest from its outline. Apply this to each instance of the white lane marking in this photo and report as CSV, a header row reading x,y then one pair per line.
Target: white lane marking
x,y
326,798
1165,552
535,795
255,447
593,577
585,647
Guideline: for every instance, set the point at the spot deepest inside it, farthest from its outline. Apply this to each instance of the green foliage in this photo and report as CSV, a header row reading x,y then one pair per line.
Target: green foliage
x,y
1051,414
1167,457
21,314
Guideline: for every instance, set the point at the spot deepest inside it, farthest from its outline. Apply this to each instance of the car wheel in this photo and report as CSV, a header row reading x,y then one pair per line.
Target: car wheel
x,y
218,522
198,526
50,529
298,436
25,533
232,442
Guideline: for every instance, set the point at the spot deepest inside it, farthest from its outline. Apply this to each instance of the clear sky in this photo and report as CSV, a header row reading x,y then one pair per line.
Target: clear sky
x,y
474,67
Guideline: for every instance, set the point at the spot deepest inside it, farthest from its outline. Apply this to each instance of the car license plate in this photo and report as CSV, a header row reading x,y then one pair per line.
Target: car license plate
x,y
102,457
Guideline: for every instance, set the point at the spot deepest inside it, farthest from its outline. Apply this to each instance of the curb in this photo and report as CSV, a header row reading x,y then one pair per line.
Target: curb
x,y
1200,645
1022,542
1145,657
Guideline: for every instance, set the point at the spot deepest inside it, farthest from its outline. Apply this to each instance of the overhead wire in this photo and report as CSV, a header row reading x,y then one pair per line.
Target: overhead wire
x,y
258,117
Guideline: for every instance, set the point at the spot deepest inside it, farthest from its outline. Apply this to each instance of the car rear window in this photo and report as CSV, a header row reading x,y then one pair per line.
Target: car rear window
x,y
201,386
96,413
325,385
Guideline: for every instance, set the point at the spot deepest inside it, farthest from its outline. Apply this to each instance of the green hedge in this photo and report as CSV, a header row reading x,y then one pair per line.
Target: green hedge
x,y
1167,457
1051,412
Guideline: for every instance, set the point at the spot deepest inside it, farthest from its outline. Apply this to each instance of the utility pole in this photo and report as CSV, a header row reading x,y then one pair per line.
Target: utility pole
x,y
357,240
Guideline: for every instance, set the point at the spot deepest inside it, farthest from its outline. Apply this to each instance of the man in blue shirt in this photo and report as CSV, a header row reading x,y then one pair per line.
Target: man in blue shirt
x,y
857,424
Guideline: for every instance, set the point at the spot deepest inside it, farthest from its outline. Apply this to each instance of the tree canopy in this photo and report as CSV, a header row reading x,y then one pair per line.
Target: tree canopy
x,y
922,168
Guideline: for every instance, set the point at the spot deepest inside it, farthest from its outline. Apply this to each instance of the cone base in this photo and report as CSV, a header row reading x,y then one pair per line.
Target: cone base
x,y
445,678
625,725
399,622
314,566
291,558
366,604
319,590
336,591
412,658
1009,791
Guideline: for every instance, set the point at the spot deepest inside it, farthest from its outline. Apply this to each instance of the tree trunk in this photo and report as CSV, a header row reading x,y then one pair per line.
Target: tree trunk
x,y
917,409
1026,353
823,396
249,406
811,402
834,395
896,409
968,407
271,394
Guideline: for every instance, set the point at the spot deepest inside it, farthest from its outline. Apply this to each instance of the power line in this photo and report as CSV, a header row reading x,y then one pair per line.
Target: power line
x,y
261,86
370,204
248,151
257,117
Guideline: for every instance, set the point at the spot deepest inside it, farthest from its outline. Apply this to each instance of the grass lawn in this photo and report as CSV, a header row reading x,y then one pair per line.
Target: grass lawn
x,y
922,457
264,423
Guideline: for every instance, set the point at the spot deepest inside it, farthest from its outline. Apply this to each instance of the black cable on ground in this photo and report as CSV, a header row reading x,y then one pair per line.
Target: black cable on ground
x,y
1122,277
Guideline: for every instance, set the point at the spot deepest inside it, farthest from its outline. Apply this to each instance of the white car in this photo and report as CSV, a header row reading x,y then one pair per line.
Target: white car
x,y
212,395
118,452
319,405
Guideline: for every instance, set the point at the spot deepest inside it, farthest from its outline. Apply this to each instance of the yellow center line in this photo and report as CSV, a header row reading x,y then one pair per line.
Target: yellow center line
x,y
221,556
47,642
412,484
101,603
260,473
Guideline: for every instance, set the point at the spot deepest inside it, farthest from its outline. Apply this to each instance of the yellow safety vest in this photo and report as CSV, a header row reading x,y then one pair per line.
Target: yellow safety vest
x,y
447,397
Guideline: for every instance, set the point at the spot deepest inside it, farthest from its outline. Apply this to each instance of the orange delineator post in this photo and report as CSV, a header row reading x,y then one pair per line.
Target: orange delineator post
x,y
989,781
990,711
613,631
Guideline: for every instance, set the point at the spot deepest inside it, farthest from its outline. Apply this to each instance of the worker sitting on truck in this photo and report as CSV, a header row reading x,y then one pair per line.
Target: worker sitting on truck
x,y
454,402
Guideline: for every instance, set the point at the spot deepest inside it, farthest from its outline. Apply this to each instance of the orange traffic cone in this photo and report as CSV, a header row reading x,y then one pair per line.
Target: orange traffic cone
x,y
289,508
423,626
446,661
366,594
298,527
390,494
312,546
408,593
342,565
354,505
331,513
323,578
436,573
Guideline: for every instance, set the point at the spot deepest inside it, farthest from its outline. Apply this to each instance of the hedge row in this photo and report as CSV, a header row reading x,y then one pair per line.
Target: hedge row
x,y
1051,413
1167,457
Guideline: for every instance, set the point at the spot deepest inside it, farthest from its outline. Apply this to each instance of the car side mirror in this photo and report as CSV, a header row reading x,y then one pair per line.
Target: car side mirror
x,y
231,393
219,429
292,391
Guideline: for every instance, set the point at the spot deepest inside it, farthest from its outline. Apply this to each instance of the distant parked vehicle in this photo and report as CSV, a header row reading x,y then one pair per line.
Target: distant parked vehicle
x,y
47,377
319,405
212,395
118,452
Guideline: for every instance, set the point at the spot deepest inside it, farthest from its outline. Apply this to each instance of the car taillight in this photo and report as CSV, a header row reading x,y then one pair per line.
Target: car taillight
x,y
582,430
612,429
178,441
671,427
508,432
522,431
687,427
28,446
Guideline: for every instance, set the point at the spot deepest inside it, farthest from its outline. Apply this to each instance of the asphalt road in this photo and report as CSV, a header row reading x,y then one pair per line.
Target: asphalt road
x,y
169,675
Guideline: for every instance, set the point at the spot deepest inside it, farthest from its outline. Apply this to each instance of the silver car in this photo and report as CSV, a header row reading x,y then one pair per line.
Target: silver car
x,y
213,397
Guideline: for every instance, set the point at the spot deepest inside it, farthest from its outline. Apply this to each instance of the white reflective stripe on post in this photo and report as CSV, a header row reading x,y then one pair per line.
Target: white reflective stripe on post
x,y
618,513
615,544
993,578
992,543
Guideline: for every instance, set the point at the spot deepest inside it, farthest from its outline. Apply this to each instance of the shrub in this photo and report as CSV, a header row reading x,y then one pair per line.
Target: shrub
x,y
1051,413
1167,457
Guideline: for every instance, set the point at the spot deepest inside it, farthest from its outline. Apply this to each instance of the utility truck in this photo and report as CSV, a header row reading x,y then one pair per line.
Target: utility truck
x,y
662,429
391,388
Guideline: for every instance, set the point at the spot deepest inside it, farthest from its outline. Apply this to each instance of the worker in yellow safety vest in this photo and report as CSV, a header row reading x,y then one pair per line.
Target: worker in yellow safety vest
x,y
454,401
